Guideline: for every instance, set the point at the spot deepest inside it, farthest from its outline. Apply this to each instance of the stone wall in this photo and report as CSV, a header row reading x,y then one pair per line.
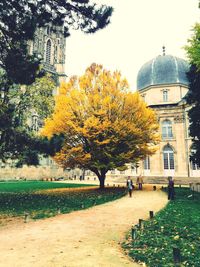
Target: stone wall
x,y
31,173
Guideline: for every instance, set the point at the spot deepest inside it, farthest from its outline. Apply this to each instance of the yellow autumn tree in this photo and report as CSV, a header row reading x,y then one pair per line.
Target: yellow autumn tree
x,y
104,124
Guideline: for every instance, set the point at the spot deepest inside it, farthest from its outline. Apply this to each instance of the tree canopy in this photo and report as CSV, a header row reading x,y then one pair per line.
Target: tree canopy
x,y
193,96
192,49
17,105
104,125
19,20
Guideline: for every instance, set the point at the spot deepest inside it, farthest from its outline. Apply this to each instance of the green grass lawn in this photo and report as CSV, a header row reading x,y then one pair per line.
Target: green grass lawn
x,y
30,186
23,197
177,225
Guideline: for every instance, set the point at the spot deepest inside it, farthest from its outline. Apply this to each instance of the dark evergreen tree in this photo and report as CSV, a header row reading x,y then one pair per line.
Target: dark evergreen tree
x,y
19,20
193,96
193,99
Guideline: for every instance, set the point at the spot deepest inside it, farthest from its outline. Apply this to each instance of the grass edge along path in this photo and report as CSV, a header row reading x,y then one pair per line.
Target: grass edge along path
x,y
44,203
30,186
175,226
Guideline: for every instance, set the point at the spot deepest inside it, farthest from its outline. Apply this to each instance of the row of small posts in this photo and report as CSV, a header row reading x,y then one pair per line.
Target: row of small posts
x,y
140,225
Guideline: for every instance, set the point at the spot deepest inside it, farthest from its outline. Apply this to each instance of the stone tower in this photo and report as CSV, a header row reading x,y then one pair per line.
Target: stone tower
x,y
49,44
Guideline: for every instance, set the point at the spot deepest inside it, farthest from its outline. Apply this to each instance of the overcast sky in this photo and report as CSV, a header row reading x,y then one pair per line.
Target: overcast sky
x,y
138,30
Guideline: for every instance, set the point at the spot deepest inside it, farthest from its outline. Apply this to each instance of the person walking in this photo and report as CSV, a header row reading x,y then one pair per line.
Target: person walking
x,y
139,182
171,192
129,184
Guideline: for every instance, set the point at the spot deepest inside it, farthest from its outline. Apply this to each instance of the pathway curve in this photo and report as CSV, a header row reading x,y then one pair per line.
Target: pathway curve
x,y
87,238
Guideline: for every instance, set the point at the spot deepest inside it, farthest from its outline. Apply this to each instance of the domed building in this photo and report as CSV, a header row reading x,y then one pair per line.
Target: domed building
x,y
162,83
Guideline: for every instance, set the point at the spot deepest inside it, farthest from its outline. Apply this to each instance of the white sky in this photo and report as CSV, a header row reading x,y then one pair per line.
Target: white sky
x,y
138,30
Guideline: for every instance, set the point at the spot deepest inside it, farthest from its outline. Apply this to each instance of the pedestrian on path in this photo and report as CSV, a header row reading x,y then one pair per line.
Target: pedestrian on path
x,y
139,182
129,184
170,188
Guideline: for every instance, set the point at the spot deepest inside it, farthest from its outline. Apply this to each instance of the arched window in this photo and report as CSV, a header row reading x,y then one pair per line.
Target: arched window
x,y
167,129
147,163
165,95
48,52
35,123
168,158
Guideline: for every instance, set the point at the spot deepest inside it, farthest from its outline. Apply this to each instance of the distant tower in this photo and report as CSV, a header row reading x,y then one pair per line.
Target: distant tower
x,y
49,44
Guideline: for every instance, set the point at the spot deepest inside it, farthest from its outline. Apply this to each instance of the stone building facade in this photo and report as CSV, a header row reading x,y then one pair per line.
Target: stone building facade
x,y
163,84
49,44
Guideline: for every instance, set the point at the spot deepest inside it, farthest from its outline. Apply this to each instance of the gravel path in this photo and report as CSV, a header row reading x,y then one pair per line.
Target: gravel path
x,y
87,238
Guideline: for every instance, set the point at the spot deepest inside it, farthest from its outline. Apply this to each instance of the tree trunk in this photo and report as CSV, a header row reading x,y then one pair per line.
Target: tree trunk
x,y
102,178
101,174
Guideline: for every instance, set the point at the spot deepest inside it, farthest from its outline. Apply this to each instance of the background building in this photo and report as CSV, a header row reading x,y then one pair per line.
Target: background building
x,y
49,44
162,82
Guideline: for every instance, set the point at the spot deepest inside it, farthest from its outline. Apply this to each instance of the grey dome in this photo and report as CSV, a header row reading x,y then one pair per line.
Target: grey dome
x,y
164,69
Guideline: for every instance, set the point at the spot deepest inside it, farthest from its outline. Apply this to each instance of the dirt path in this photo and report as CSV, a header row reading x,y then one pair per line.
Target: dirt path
x,y
87,238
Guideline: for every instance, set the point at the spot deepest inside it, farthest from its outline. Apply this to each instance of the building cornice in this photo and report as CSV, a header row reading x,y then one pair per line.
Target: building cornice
x,y
160,86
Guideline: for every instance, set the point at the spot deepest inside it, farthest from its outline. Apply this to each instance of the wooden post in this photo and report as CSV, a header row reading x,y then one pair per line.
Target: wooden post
x,y
133,233
154,188
179,185
151,214
176,255
140,223
26,217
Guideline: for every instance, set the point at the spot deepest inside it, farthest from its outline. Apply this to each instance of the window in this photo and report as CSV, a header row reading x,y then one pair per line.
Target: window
x,y
48,30
165,95
167,129
48,52
147,163
35,124
88,173
194,166
168,158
